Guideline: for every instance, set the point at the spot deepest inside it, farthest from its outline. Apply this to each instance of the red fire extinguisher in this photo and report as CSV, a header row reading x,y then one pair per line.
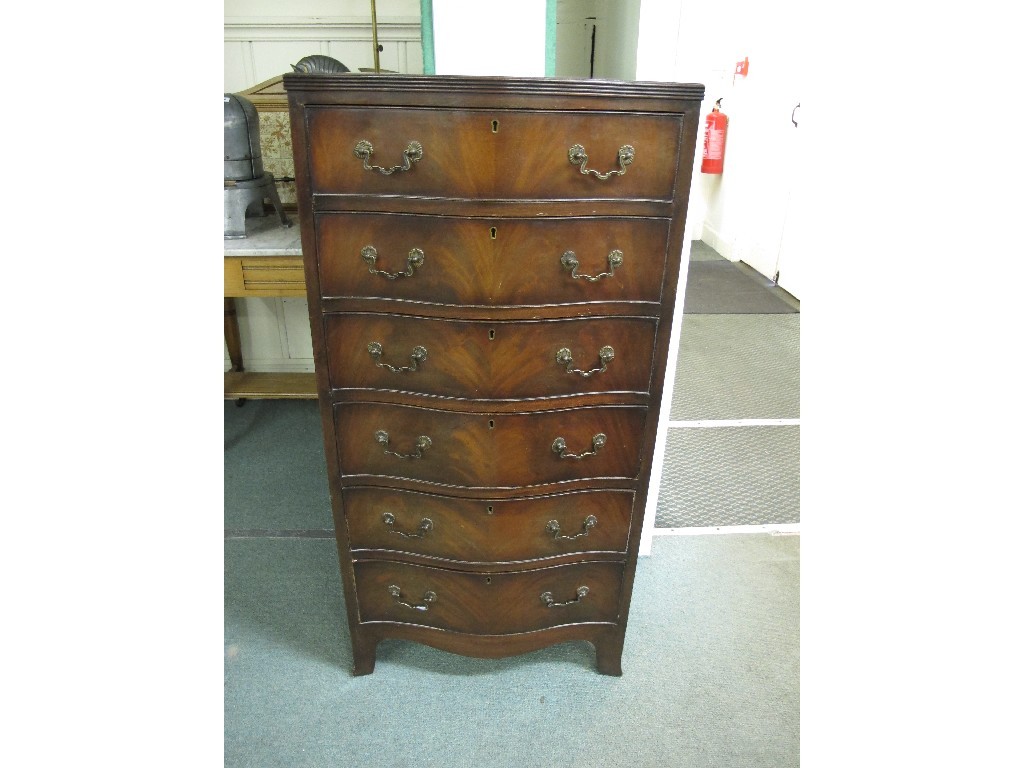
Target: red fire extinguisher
x,y
714,140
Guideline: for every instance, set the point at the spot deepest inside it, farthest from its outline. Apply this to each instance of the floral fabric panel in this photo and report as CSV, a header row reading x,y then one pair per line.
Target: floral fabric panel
x,y
276,145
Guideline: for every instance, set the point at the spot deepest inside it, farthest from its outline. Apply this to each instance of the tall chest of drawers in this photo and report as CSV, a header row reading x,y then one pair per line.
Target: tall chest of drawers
x,y
491,267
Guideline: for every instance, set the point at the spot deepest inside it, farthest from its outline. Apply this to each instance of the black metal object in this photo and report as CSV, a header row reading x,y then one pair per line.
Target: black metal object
x,y
319,65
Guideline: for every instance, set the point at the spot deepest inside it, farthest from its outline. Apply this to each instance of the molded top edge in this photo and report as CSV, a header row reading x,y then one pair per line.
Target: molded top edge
x,y
490,84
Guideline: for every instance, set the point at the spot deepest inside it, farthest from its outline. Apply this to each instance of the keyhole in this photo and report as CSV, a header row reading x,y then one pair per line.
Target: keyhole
x,y
488,579
494,233
494,126
491,423
490,510
490,334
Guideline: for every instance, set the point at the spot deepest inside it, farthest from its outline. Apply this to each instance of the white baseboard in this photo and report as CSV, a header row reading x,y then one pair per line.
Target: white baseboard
x,y
777,529
714,238
273,365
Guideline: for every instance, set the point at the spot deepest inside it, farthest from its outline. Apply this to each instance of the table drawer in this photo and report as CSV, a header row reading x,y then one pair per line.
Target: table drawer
x,y
490,261
489,360
492,603
264,276
491,154
487,530
489,450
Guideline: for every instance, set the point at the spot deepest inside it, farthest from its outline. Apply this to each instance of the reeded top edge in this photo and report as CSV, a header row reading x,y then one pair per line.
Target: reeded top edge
x,y
490,84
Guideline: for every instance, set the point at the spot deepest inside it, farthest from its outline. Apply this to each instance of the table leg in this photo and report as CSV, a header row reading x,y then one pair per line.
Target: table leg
x,y
233,338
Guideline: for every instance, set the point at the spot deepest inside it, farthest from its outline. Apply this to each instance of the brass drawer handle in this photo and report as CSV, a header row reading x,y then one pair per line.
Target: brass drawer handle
x,y
570,262
415,260
599,440
564,357
554,528
376,349
426,525
428,598
413,153
549,600
422,444
578,156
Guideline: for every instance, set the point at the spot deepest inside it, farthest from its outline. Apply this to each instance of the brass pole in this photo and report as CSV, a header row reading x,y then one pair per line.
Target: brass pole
x,y
373,24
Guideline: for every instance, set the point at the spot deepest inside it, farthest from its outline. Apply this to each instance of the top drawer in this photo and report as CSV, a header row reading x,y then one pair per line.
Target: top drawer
x,y
492,154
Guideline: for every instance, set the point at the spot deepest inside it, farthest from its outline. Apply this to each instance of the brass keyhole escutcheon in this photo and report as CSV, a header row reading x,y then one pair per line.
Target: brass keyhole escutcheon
x,y
490,423
490,510
488,579
490,334
494,233
494,126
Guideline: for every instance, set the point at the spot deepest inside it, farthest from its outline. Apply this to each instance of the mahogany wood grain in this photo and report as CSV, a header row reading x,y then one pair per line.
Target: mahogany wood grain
x,y
486,530
491,603
606,639
494,92
479,450
489,360
518,180
465,157
491,261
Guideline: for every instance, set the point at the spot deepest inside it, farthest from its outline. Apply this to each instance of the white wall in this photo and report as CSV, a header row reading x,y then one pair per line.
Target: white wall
x,y
317,9
262,39
474,38
615,41
741,212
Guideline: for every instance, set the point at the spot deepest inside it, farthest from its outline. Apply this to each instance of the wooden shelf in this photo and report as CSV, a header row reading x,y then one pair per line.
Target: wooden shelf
x,y
256,386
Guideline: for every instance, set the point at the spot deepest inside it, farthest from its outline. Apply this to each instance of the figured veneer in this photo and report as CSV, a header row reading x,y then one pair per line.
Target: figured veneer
x,y
487,450
491,267
489,359
489,603
526,158
486,530
492,261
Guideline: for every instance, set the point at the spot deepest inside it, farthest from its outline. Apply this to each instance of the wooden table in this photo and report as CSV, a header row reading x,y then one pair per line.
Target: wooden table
x,y
267,262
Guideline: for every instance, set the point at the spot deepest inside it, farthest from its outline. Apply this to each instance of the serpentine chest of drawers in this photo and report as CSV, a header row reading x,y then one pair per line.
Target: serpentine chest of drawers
x,y
491,267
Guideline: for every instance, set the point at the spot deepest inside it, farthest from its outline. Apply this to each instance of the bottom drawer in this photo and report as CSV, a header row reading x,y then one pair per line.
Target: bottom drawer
x,y
491,603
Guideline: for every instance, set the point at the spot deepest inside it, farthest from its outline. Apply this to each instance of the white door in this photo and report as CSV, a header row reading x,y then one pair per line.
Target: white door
x,y
795,227
770,159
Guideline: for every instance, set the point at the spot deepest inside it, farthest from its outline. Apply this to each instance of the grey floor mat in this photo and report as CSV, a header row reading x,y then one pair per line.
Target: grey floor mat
x,y
701,251
724,476
738,367
721,287
275,475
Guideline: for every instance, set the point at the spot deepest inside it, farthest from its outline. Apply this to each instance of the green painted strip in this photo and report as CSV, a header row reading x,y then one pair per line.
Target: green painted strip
x,y
427,34
549,38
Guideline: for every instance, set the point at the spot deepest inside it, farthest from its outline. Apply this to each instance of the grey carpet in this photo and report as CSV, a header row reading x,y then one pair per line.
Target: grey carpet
x,y
718,286
701,251
738,367
723,476
275,475
710,672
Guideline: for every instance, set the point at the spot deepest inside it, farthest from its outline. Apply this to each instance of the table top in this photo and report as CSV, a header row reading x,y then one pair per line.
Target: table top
x,y
264,236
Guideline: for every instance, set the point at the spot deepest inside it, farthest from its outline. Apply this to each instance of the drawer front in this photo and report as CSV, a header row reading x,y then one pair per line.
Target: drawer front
x,y
264,276
526,155
489,360
493,603
490,261
487,530
481,450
